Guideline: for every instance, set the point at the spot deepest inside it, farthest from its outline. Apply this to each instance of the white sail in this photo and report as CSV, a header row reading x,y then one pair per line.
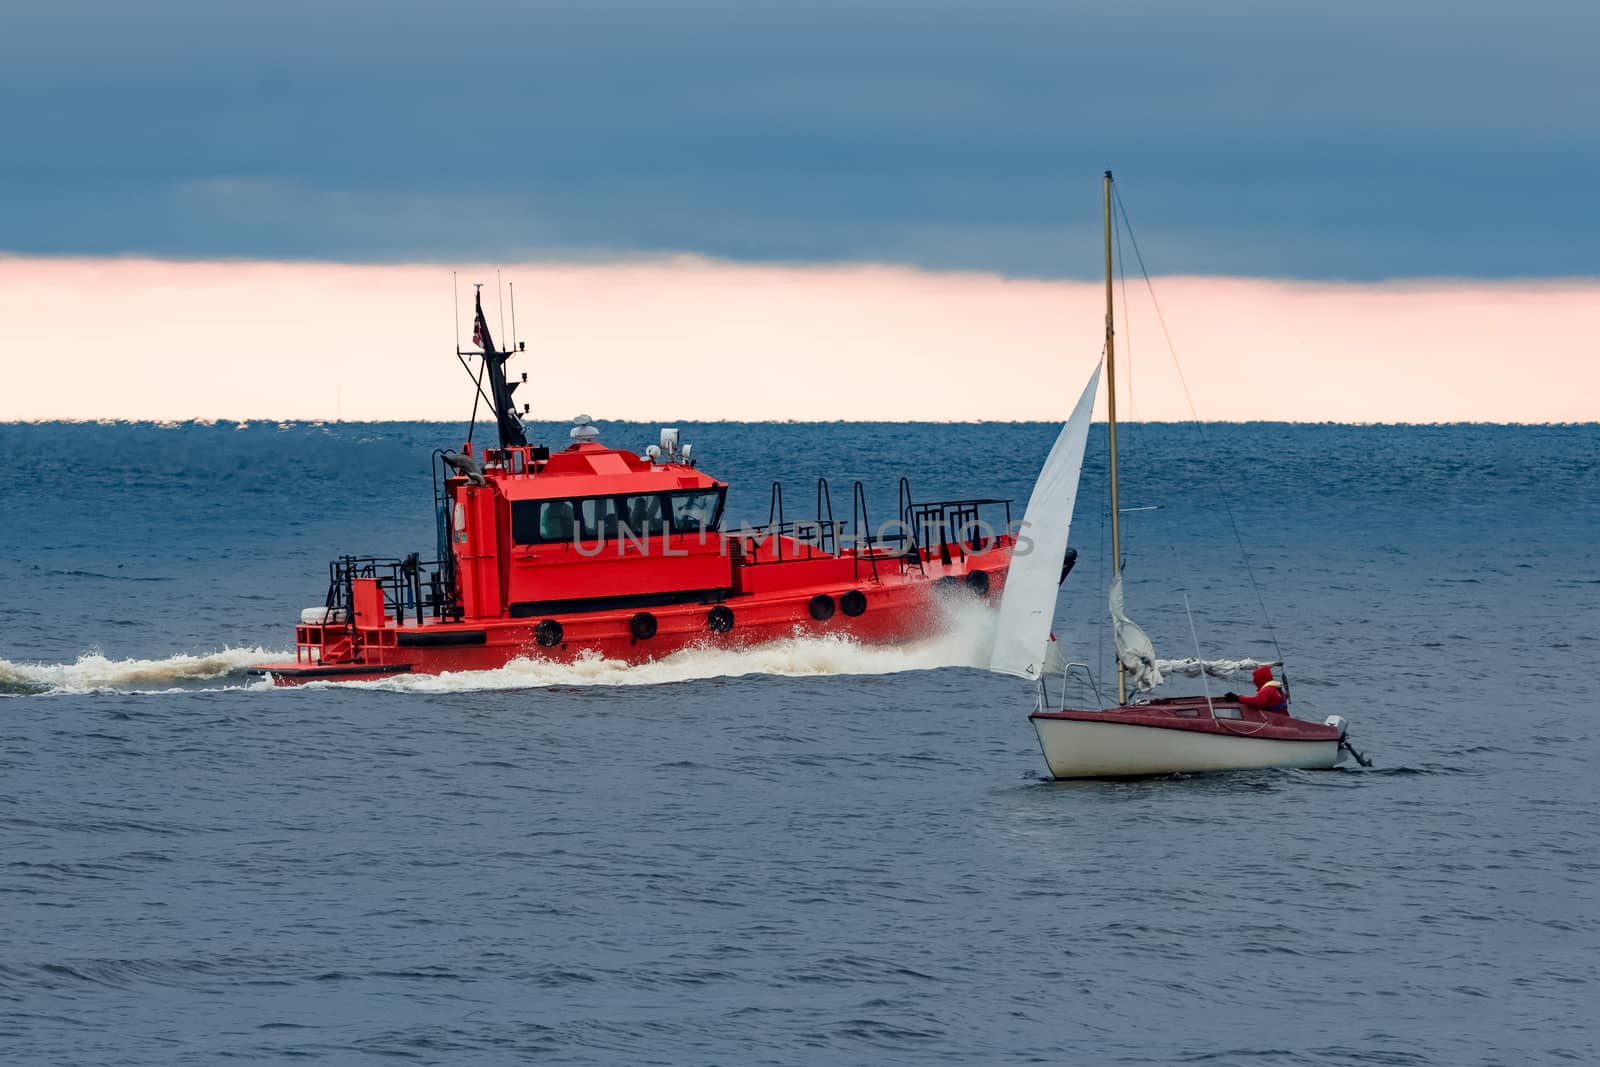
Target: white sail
x,y
1055,657
1134,648
1028,602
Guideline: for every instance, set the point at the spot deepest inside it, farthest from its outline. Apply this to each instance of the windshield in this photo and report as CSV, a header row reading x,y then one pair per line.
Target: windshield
x,y
607,518
694,512
642,514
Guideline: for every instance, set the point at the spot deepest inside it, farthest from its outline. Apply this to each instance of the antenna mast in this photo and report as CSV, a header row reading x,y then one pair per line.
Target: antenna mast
x,y
494,367
500,298
511,287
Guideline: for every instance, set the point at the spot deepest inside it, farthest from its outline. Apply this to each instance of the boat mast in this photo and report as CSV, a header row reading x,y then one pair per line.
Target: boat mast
x,y
512,433
1111,426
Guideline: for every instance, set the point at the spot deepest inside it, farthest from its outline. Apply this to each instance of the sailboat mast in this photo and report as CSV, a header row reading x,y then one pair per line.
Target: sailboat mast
x,y
1111,425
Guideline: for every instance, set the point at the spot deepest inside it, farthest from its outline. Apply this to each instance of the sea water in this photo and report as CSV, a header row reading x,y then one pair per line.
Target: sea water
x,y
813,852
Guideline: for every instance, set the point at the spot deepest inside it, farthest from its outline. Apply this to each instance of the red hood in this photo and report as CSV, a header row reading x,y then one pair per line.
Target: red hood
x,y
1262,676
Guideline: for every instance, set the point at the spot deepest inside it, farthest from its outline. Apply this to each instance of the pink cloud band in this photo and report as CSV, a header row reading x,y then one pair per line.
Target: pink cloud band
x,y
693,339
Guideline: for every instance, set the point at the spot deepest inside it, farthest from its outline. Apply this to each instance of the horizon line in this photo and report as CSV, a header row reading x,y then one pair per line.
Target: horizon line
x,y
206,421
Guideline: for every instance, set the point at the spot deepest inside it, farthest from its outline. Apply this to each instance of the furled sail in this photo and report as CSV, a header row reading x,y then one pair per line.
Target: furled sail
x,y
1134,649
1028,602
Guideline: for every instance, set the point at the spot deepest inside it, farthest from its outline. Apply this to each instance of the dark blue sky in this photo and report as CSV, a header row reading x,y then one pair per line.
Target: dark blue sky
x,y
1356,139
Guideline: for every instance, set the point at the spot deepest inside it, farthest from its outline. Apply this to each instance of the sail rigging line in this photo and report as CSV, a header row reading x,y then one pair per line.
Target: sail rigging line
x,y
1205,686
1105,591
1128,391
1172,350
1127,317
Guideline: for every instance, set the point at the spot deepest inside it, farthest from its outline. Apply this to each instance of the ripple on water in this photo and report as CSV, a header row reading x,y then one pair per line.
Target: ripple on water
x,y
822,853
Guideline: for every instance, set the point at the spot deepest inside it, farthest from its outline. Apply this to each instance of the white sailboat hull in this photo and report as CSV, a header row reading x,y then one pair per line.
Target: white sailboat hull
x,y
1074,748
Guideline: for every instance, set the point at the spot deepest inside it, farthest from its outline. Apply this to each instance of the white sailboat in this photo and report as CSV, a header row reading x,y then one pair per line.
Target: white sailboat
x,y
1144,736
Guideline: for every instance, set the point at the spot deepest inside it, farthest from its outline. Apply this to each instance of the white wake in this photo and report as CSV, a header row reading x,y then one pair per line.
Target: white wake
x,y
92,672
964,642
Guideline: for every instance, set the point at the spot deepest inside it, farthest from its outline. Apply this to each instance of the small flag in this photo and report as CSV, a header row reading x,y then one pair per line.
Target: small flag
x,y
480,329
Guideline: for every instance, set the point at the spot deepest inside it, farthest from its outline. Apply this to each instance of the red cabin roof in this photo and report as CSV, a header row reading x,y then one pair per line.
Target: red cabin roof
x,y
588,469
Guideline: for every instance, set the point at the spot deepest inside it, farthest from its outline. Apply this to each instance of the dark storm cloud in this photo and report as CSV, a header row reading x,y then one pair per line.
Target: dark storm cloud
x,y
1361,139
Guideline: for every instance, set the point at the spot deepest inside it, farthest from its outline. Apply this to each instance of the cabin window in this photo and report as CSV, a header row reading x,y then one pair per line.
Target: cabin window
x,y
694,512
555,520
598,518
535,522
524,522
642,514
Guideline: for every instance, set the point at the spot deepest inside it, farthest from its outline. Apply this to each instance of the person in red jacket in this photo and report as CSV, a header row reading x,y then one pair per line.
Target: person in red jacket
x,y
1269,693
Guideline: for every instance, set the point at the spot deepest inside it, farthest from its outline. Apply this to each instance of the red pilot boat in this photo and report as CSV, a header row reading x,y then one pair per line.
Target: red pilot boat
x,y
598,550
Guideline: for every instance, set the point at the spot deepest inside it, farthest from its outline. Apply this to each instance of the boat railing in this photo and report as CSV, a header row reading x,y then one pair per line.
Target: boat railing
x,y
955,528
411,587
828,538
515,459
1073,670
776,531
796,539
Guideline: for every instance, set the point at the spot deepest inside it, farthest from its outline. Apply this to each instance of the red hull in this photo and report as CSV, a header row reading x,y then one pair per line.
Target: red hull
x,y
898,608
1191,713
